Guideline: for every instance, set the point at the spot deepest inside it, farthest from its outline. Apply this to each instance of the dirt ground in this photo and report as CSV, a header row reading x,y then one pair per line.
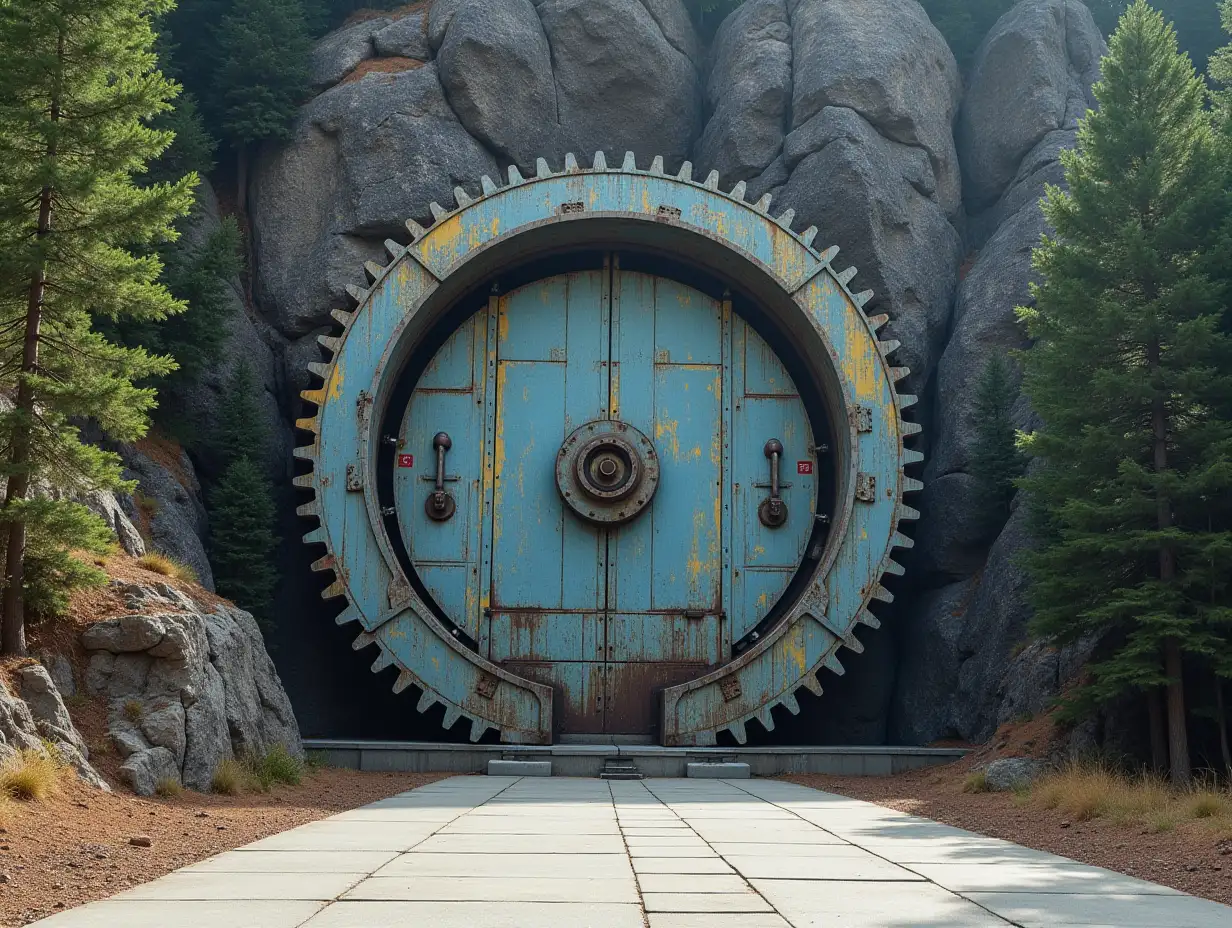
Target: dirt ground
x,y
75,848
1189,858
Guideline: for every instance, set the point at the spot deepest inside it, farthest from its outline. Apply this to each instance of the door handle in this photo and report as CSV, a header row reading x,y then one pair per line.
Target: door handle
x,y
440,506
773,511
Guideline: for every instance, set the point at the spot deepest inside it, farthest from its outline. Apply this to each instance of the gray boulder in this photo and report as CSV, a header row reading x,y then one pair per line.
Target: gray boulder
x,y
195,684
405,37
60,669
50,715
885,60
1012,773
172,507
748,92
107,506
342,51
38,720
931,630
1032,75
363,157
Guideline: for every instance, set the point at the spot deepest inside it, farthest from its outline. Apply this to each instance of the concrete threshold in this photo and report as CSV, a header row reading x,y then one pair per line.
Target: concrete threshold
x,y
587,760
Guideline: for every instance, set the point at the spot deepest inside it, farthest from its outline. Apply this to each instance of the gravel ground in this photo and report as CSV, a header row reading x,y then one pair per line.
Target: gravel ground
x,y
1190,858
75,848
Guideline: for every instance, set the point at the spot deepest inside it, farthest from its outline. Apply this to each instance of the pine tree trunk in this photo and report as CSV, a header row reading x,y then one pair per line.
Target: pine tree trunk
x,y
13,625
1159,734
1178,735
1221,719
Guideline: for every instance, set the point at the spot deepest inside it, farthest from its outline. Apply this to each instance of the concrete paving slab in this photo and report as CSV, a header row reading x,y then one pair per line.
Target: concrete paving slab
x,y
190,887
684,839
361,862
705,902
1015,877
634,832
660,850
820,868
957,851
510,865
1041,910
523,844
752,834
477,915
873,905
680,865
529,825
766,849
161,914
691,883
345,836
712,920
493,889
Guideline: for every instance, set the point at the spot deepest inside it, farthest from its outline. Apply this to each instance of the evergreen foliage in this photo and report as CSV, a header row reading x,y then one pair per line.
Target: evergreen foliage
x,y
996,462
1132,376
78,87
242,514
52,572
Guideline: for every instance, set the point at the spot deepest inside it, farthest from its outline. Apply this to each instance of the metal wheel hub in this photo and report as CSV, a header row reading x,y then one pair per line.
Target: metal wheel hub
x,y
607,472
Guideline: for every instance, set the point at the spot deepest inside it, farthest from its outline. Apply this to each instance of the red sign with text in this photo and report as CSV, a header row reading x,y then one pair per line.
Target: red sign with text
x,y
406,460
804,467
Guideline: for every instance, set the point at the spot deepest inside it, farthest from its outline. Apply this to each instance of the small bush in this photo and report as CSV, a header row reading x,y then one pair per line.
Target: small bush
x,y
230,778
134,711
976,782
1208,803
33,775
160,563
168,787
275,766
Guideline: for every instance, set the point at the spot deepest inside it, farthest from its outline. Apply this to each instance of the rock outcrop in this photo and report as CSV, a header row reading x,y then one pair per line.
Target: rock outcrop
x,y
186,687
36,719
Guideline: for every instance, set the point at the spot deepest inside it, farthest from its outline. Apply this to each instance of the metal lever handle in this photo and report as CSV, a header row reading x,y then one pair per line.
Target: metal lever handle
x,y
773,511
440,506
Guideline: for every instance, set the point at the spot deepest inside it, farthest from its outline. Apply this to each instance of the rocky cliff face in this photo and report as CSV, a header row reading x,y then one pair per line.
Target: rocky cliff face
x,y
850,112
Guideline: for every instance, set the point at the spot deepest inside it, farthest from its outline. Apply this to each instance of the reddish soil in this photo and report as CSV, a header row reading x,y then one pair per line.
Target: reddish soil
x,y
74,849
1190,858
382,66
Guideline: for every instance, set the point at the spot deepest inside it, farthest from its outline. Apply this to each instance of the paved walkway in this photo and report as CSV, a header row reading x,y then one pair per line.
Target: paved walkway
x,y
487,852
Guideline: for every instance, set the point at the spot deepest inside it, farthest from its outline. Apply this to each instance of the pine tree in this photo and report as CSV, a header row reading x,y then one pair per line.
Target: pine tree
x,y
242,512
262,74
1129,373
996,462
78,86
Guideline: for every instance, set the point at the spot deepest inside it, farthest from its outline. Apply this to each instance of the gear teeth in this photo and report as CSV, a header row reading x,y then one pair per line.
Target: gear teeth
x,y
321,370
907,400
891,566
738,191
417,231
342,316
358,294
911,456
383,660
909,428
488,186
600,161
630,163
336,590
308,423
834,665
393,249
738,732
307,510
847,276
763,205
571,164
889,347
899,373
878,322
829,254
812,684
304,481
712,181
911,485
320,565
790,703
347,616
363,640
478,729
541,169
462,198
315,537
906,512
656,166
808,236
438,212
853,644
452,714
306,453
862,298
867,618
902,541
329,343
686,172
515,176
426,702
882,594
405,679
766,718
786,219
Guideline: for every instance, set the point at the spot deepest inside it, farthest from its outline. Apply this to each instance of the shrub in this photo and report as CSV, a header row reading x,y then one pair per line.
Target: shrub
x,y
976,782
229,778
134,711
275,766
33,775
164,564
168,787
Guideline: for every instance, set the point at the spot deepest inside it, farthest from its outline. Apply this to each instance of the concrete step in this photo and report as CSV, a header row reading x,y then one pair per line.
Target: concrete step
x,y
519,768
718,771
621,770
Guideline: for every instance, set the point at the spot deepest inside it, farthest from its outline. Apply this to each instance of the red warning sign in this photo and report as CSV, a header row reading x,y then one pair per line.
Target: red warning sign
x,y
804,467
406,460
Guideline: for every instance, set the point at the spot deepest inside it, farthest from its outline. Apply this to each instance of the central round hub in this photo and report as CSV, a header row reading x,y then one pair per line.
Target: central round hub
x,y
607,472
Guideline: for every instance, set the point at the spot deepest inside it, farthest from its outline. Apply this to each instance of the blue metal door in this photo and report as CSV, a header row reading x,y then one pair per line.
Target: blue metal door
x,y
608,614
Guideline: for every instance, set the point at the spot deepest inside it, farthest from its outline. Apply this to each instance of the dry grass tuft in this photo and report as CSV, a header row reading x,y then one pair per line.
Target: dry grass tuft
x,y
33,776
976,782
230,778
134,710
168,787
160,563
1083,792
